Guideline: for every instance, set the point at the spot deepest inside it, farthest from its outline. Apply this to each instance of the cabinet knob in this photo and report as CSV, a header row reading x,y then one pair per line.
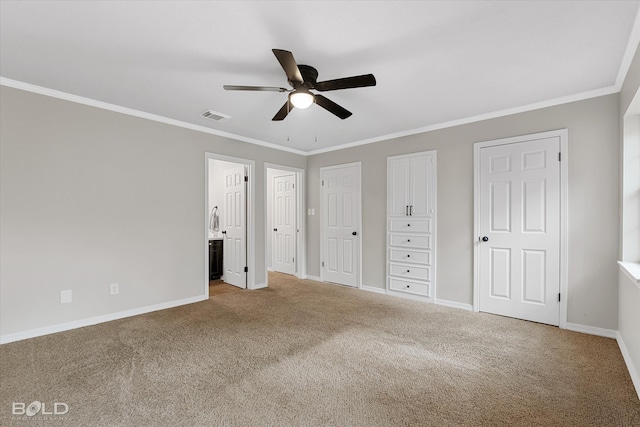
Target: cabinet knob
x,y
408,240
408,225
408,256
408,271
275,229
408,286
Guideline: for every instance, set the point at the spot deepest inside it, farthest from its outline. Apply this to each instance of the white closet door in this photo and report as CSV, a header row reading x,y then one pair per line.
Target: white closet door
x,y
234,227
341,224
284,224
519,242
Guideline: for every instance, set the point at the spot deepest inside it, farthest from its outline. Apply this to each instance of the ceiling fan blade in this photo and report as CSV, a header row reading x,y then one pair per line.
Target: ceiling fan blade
x,y
256,88
332,107
283,112
347,83
288,64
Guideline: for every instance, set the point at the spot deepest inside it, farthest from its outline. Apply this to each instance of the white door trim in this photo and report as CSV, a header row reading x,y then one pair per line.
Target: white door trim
x,y
251,229
563,134
301,251
322,231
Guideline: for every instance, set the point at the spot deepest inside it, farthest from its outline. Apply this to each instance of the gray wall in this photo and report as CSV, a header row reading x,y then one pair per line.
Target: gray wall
x,y
90,197
594,142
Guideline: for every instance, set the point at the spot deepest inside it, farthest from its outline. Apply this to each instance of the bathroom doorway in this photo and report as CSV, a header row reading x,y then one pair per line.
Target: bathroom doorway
x,y
229,221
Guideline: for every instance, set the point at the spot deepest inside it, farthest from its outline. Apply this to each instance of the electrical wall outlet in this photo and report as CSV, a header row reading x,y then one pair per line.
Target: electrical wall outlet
x,y
66,296
114,289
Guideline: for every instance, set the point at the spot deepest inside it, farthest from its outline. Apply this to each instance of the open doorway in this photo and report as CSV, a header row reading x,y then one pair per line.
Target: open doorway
x,y
229,232
284,208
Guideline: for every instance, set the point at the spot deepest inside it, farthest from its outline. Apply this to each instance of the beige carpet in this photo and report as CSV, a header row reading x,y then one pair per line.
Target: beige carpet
x,y
302,353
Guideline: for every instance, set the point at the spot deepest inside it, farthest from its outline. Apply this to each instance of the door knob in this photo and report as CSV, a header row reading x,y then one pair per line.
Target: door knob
x,y
484,239
224,232
354,233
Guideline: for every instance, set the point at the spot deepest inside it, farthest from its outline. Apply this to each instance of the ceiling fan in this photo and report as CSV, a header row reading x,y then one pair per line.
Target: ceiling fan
x,y
302,78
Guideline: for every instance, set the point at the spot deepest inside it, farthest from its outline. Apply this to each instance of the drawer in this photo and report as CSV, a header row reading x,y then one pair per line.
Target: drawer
x,y
410,287
407,255
410,241
413,225
410,272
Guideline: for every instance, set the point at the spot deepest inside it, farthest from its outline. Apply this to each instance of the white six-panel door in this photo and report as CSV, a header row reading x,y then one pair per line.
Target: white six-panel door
x,y
284,223
519,230
341,224
234,226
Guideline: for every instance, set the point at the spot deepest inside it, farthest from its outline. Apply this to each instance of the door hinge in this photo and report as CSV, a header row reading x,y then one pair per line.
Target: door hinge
x,y
559,157
246,269
293,186
246,179
293,260
323,263
558,297
323,182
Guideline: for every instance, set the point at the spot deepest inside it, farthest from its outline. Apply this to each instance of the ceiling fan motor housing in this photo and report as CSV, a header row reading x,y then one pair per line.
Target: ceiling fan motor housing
x,y
309,77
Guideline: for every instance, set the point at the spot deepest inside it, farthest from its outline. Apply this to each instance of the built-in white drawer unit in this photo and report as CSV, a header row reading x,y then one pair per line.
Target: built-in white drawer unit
x,y
410,271
411,225
409,287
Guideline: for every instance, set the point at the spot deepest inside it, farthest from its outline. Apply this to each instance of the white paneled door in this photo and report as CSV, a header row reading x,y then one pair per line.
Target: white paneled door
x,y
284,223
234,226
519,230
341,224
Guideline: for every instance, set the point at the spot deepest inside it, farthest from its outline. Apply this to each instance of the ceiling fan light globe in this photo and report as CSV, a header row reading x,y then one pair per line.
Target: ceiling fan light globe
x,y
301,100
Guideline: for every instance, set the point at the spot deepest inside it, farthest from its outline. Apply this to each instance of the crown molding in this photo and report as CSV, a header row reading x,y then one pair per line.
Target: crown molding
x,y
28,87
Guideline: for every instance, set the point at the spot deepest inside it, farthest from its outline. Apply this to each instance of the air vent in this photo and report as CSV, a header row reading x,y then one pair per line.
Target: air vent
x,y
214,115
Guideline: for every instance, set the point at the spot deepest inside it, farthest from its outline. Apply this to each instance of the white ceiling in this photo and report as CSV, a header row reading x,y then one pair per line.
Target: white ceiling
x,y
436,62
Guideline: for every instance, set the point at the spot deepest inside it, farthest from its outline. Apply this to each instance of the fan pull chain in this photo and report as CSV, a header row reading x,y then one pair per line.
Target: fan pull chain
x,y
315,119
288,105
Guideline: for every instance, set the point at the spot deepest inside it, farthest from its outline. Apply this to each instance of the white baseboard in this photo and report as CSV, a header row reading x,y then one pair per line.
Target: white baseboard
x,y
372,289
592,330
32,333
316,278
258,286
454,304
633,372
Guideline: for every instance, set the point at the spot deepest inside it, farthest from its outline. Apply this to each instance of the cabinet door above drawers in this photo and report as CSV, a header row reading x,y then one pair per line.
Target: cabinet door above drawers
x,y
410,241
411,225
